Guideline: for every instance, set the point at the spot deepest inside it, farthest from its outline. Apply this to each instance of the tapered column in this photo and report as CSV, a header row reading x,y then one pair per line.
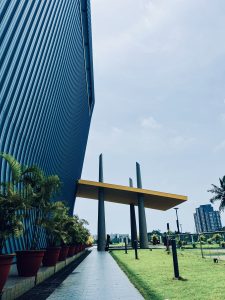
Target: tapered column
x,y
133,225
141,213
101,211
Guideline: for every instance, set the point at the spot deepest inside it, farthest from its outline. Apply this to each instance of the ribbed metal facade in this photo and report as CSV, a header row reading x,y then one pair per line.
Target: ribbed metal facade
x,y
46,84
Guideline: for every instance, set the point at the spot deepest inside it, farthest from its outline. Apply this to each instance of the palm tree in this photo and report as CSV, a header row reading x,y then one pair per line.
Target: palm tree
x,y
37,190
219,193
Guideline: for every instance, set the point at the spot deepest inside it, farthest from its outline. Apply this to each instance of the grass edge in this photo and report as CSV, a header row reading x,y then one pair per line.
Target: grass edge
x,y
135,280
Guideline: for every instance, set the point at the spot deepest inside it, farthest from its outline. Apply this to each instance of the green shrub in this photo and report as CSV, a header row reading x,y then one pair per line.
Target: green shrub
x,y
217,238
201,238
194,245
155,239
209,241
179,243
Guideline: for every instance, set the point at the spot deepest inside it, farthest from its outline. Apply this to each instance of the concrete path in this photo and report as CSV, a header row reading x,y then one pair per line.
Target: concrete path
x,y
98,277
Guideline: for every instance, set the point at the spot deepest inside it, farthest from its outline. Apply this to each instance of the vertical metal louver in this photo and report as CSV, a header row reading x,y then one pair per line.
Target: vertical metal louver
x,y
44,85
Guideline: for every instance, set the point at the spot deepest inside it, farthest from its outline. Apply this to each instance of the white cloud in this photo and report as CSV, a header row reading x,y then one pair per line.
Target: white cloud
x,y
164,59
223,117
220,146
116,131
181,142
150,122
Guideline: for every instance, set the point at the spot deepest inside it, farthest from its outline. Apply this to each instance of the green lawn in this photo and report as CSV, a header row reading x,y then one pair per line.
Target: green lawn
x,y
152,274
206,251
117,245
208,246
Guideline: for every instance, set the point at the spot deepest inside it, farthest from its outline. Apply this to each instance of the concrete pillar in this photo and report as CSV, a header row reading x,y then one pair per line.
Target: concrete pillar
x,y
101,211
133,225
141,213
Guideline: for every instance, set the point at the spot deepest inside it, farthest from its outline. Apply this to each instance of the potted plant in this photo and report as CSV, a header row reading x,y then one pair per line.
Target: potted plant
x,y
72,227
90,241
42,188
83,234
10,225
64,225
37,191
77,234
55,233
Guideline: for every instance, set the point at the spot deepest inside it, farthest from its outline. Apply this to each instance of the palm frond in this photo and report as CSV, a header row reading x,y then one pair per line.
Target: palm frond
x,y
33,171
222,182
219,193
222,205
14,165
215,198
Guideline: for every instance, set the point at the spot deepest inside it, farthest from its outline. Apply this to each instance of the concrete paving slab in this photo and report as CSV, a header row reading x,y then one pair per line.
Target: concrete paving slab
x,y
97,277
17,286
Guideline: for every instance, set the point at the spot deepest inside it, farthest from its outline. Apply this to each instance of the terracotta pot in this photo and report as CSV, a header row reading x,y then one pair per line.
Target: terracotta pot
x,y
29,262
63,253
51,256
71,251
76,249
5,264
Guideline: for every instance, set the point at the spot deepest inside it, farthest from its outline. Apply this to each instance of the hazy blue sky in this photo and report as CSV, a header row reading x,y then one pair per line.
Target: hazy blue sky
x,y
159,69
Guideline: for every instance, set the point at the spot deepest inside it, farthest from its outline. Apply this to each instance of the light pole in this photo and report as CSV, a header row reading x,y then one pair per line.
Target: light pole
x,y
177,221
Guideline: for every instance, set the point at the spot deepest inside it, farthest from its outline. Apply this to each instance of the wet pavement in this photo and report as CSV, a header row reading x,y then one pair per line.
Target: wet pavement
x,y
98,277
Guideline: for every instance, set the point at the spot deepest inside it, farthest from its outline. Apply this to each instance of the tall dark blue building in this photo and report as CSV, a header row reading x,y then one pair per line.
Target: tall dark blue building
x,y
206,219
47,89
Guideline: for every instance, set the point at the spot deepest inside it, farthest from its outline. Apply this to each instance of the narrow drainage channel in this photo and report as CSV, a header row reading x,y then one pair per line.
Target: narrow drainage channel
x,y
43,290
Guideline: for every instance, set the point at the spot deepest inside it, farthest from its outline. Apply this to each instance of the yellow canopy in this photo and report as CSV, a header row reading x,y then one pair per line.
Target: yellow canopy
x,y
128,195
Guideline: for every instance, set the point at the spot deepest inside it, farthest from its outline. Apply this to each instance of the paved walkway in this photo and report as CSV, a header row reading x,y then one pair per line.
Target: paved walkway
x,y
98,277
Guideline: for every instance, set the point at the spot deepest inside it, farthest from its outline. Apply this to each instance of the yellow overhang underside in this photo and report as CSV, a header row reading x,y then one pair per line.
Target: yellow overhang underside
x,y
128,195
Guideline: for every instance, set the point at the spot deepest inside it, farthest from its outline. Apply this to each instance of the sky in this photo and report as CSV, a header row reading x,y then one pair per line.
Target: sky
x,y
159,72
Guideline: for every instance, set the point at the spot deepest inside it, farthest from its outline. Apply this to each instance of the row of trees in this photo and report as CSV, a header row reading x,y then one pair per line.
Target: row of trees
x,y
216,238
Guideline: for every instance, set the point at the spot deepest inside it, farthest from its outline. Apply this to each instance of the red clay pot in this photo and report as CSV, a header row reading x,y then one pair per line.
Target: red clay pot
x,y
29,262
63,253
5,264
71,251
76,249
51,256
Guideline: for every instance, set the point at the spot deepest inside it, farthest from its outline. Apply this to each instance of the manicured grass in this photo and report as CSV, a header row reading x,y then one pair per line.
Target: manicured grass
x,y
208,246
208,252
152,274
117,245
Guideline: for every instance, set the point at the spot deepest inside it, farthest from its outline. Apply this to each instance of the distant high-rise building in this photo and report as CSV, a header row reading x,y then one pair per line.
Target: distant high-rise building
x,y
118,237
206,219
